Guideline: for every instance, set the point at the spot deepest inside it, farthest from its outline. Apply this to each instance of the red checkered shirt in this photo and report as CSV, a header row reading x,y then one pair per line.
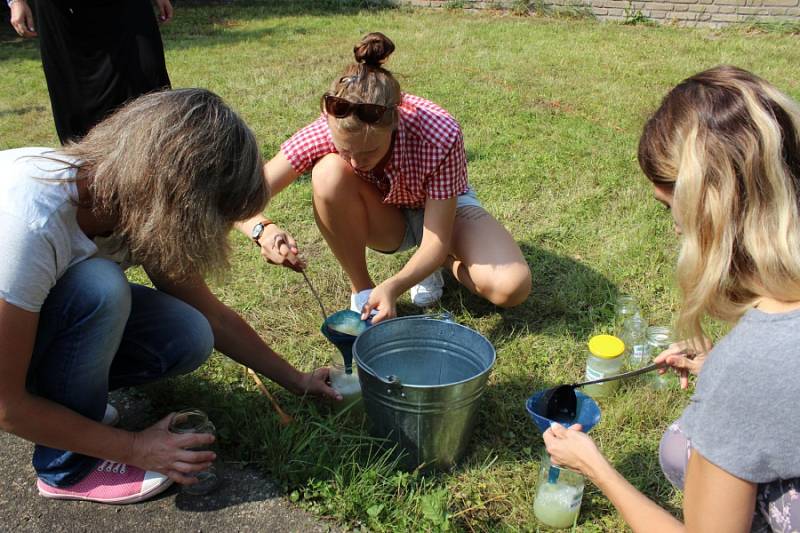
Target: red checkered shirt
x,y
427,160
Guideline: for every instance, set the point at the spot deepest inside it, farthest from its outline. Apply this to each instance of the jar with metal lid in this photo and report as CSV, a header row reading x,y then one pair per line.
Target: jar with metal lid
x,y
605,359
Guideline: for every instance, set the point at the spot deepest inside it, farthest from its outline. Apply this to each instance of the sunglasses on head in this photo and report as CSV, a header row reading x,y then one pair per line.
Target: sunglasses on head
x,y
340,108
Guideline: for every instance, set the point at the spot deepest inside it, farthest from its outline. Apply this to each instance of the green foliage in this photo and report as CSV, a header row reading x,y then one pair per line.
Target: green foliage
x,y
635,17
551,110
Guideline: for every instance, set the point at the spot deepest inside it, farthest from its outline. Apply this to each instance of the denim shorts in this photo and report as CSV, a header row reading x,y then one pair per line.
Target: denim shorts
x,y
415,218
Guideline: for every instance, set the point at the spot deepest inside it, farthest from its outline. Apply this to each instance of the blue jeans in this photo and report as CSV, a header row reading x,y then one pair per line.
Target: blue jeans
x,y
97,332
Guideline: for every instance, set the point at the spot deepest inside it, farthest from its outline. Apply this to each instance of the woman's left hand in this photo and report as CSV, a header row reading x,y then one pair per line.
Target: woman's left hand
x,y
382,298
572,448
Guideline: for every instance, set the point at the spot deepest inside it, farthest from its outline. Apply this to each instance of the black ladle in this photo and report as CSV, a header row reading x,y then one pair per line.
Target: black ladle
x,y
561,404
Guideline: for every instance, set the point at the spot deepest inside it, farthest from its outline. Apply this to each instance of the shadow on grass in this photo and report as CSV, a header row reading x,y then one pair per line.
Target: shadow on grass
x,y
567,297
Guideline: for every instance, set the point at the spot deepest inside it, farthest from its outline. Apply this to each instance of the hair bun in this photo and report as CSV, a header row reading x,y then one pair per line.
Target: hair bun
x,y
373,50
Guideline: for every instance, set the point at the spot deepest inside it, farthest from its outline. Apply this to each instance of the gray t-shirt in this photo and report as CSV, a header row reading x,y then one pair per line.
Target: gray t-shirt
x,y
742,416
40,237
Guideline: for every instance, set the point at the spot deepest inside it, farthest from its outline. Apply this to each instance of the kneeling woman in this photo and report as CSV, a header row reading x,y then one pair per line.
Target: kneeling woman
x,y
389,172
161,182
723,151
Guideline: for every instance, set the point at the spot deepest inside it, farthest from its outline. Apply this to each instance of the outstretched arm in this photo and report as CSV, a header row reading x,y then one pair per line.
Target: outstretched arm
x,y
236,339
715,501
431,254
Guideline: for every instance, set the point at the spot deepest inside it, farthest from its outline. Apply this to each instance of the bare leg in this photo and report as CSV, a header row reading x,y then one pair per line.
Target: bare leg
x,y
486,260
351,216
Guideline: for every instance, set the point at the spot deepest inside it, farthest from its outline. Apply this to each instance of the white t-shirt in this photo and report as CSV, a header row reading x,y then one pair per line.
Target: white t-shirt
x,y
39,233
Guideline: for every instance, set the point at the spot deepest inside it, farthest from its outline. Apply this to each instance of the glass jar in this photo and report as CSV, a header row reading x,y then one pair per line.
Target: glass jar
x,y
634,335
658,339
196,421
558,496
345,384
605,359
625,307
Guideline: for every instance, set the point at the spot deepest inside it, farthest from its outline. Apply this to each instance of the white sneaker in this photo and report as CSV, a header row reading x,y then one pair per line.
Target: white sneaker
x,y
428,291
359,299
111,416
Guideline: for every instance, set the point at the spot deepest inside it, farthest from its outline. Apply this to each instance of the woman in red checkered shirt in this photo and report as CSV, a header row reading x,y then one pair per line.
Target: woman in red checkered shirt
x,y
389,172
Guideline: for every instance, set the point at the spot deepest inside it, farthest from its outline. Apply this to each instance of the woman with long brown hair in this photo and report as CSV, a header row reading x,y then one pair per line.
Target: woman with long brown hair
x,y
723,152
389,172
159,183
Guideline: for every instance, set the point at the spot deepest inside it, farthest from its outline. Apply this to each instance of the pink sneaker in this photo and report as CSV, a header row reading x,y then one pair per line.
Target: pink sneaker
x,y
110,482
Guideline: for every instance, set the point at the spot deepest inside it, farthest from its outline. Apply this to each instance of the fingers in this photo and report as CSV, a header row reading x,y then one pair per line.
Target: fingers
x,y
684,378
194,440
190,468
367,310
166,12
178,477
195,457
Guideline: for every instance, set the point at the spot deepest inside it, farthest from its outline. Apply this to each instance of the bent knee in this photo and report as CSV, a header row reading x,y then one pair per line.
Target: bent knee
x,y
509,286
194,346
330,176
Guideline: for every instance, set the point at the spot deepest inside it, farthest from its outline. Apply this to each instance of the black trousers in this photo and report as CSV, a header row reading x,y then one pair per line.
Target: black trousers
x,y
97,55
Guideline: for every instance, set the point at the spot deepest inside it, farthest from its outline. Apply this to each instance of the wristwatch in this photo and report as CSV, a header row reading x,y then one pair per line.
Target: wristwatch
x,y
258,229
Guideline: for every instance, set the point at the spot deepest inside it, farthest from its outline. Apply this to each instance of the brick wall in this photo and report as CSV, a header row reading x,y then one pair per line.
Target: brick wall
x,y
713,13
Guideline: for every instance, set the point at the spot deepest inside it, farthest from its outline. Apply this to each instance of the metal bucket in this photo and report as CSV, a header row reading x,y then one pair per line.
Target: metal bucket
x,y
422,379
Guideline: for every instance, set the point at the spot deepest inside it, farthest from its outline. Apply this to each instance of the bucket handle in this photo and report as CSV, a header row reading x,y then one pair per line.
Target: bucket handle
x,y
392,382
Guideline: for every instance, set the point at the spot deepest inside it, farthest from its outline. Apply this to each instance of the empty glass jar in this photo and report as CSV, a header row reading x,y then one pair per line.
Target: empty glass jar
x,y
196,421
658,339
625,307
634,335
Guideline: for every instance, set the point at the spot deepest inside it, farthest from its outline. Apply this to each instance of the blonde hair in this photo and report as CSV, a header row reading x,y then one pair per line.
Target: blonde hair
x,y
729,143
177,169
366,81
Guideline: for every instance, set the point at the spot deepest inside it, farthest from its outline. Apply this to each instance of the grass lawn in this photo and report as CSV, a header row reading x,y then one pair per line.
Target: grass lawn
x,y
551,111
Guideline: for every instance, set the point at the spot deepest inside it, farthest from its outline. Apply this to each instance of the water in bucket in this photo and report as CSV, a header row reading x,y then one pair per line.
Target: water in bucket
x,y
422,379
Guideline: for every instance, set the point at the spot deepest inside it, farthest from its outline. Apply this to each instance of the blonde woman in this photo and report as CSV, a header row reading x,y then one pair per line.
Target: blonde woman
x,y
389,172
723,152
160,183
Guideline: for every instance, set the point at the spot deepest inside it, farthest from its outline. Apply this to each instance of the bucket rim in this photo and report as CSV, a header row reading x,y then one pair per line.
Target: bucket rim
x,y
362,367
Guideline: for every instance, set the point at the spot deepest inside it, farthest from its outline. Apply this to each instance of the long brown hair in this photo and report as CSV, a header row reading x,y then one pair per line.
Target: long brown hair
x,y
367,81
729,144
177,169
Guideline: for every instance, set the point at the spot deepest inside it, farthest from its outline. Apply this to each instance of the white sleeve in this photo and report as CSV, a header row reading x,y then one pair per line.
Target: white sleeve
x,y
27,264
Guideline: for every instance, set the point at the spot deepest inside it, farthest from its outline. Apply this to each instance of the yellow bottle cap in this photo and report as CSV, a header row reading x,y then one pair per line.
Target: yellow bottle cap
x,y
606,346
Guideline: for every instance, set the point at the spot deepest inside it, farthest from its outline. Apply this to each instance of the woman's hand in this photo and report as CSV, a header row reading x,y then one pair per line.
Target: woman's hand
x,y
156,449
164,11
22,19
384,299
572,448
685,357
315,383
280,248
